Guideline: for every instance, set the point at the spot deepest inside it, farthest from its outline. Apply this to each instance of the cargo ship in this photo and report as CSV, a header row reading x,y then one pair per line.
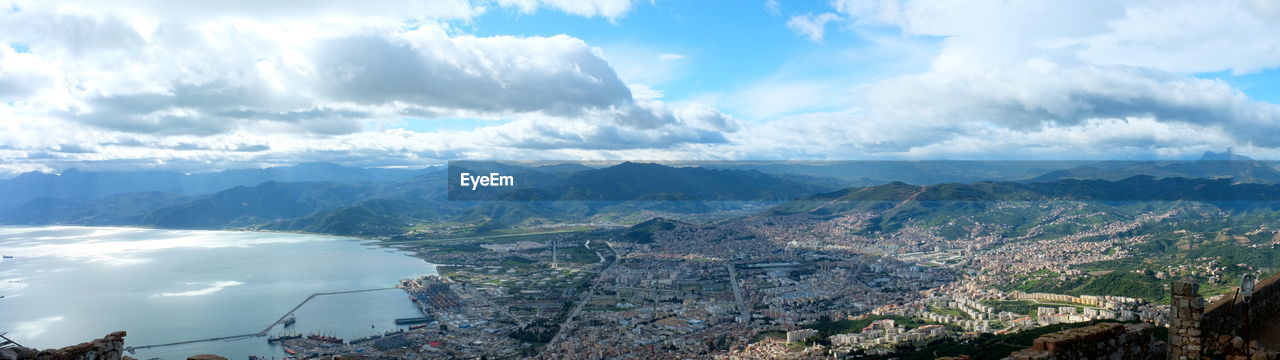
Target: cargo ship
x,y
283,337
325,338
290,321
366,338
416,320
376,336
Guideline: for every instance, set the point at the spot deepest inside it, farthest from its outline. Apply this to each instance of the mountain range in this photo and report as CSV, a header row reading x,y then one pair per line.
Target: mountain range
x,y
389,207
1239,169
80,186
327,198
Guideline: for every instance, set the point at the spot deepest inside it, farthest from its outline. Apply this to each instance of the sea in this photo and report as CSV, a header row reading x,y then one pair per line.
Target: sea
x,y
63,285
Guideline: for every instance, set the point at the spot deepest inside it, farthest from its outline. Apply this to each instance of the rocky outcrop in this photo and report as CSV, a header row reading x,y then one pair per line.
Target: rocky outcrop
x,y
110,347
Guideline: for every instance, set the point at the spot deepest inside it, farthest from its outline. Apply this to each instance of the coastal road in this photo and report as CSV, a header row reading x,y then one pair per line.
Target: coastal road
x,y
486,237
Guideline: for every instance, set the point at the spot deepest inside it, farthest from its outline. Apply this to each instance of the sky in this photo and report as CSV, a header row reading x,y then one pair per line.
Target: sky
x,y
198,86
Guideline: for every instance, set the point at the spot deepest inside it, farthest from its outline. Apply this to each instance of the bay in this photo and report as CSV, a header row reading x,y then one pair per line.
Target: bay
x,y
65,285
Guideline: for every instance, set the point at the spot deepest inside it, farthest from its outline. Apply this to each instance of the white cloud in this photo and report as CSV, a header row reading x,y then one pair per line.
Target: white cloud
x,y
186,82
701,116
610,9
812,26
774,97
1190,37
382,11
811,136
636,64
670,57
154,84
644,92
1044,78
1176,36
1037,95
773,7
167,86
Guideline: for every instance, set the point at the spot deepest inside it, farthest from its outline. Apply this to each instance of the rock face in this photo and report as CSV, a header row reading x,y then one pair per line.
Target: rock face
x,y
1102,341
110,347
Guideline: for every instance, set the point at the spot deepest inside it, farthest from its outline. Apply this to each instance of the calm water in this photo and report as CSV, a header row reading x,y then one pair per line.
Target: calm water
x,y
65,285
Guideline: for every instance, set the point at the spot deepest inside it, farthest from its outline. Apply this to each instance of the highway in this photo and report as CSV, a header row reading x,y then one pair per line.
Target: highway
x,y
737,293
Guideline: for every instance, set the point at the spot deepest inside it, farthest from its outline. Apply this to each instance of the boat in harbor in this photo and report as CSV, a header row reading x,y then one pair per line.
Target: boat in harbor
x,y
364,339
283,337
376,336
290,321
414,320
325,338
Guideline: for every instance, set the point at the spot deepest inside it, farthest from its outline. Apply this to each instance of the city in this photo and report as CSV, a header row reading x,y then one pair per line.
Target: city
x,y
640,179
766,286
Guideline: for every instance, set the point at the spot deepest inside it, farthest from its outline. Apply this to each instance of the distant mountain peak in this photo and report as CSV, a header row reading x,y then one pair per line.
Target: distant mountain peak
x,y
627,164
1225,155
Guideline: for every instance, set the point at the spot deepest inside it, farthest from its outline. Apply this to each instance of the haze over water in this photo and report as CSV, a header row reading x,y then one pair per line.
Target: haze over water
x,y
66,285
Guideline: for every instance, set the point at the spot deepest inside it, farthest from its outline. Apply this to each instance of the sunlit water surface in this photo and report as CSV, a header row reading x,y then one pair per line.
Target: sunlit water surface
x,y
65,285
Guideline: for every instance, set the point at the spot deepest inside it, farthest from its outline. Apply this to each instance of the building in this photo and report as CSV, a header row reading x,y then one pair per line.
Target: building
x,y
800,335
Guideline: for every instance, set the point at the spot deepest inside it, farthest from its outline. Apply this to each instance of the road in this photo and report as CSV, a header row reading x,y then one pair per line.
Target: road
x,y
568,323
588,246
485,237
737,292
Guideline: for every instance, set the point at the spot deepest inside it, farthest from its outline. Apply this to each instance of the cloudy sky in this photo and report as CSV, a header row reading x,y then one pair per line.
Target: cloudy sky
x,y
210,85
